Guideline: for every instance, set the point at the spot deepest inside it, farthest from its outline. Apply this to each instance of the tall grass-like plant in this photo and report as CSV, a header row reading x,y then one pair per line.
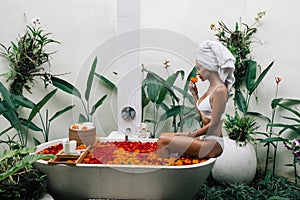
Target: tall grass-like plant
x,y
71,89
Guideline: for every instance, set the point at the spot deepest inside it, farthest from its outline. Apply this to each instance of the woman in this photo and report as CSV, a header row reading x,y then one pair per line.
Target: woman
x,y
214,63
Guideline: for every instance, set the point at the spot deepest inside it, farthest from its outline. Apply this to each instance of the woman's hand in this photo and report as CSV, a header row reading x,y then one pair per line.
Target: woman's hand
x,y
193,88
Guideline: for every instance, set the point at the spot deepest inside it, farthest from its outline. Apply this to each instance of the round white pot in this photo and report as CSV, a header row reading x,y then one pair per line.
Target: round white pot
x,y
237,164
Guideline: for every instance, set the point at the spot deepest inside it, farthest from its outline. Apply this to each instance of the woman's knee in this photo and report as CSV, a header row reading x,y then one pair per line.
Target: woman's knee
x,y
164,138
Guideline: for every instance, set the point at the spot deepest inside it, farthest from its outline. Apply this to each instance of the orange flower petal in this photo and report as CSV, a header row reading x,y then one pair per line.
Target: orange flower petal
x,y
194,79
278,79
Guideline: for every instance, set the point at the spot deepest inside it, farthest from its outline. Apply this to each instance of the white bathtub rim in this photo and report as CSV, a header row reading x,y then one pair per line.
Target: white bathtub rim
x,y
53,142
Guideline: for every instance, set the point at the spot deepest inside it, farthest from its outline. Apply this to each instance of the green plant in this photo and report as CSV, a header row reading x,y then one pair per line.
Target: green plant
x,y
252,82
158,92
27,58
16,170
46,122
269,129
239,41
71,89
293,126
273,137
294,146
240,128
264,186
9,109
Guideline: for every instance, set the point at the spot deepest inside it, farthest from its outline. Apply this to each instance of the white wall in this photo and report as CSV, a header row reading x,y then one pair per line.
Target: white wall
x,y
278,33
81,26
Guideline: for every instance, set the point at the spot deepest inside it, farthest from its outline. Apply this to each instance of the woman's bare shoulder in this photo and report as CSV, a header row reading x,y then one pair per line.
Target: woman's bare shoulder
x,y
221,91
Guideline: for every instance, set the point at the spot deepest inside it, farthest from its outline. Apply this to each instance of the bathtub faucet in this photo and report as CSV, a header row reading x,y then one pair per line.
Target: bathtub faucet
x,y
127,132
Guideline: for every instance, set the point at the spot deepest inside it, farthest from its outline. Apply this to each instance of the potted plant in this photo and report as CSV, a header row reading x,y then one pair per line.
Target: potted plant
x,y
240,126
238,162
18,179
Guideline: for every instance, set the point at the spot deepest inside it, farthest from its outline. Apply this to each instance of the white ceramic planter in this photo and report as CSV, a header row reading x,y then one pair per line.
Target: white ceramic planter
x,y
237,164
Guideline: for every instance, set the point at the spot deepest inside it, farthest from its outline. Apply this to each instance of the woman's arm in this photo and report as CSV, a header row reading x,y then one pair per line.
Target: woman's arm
x,y
199,132
219,100
193,89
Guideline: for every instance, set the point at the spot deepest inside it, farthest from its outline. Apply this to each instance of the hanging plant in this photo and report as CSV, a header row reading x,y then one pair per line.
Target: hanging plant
x,y
27,57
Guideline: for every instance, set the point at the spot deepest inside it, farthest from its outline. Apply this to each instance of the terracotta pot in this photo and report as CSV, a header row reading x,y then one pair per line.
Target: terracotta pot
x,y
237,164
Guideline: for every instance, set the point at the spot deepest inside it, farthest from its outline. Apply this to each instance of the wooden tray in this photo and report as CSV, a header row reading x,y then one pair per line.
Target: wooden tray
x,y
68,159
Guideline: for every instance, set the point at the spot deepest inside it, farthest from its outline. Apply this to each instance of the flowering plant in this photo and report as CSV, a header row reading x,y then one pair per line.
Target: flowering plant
x,y
275,136
27,56
239,41
295,148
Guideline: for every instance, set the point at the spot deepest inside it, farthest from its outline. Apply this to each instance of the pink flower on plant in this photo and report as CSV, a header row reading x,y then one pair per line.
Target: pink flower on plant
x,y
36,21
295,148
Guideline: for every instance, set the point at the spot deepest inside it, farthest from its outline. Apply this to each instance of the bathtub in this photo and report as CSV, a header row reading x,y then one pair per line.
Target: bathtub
x,y
94,181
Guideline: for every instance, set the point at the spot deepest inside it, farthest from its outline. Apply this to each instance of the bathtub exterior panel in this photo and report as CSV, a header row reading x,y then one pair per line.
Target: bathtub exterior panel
x,y
88,181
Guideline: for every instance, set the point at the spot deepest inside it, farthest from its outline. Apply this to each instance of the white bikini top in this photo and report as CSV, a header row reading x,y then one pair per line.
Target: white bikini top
x,y
205,108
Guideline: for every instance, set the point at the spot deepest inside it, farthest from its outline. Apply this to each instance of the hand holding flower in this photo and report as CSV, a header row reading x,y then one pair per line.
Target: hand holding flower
x,y
192,86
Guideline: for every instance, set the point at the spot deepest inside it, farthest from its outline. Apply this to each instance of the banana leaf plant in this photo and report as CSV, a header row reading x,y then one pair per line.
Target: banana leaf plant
x,y
71,89
272,138
293,126
159,92
251,82
47,121
9,109
186,114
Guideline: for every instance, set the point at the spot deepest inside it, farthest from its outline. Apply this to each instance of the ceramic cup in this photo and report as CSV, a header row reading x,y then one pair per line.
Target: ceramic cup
x,y
73,144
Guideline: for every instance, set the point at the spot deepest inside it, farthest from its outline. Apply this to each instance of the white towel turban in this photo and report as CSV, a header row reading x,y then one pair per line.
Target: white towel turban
x,y
214,56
